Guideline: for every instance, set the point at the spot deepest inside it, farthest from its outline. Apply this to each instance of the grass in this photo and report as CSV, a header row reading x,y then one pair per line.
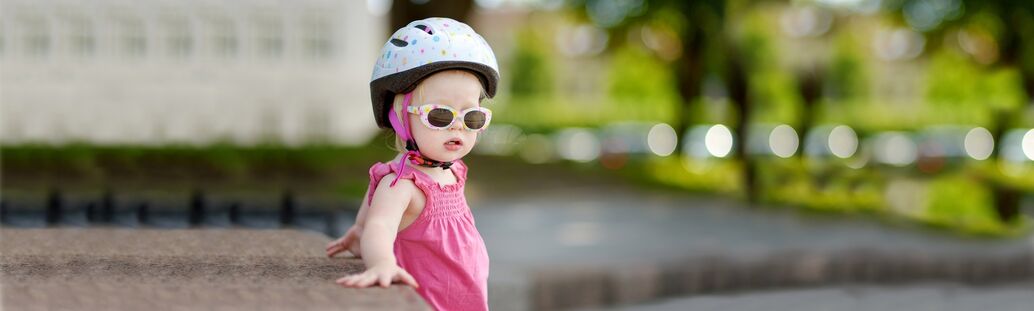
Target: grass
x,y
323,170
961,201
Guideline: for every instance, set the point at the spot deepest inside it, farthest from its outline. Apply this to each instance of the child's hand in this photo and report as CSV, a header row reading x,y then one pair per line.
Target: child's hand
x,y
349,242
383,274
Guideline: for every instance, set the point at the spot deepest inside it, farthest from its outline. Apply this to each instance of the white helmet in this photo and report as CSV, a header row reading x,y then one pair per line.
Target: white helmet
x,y
422,48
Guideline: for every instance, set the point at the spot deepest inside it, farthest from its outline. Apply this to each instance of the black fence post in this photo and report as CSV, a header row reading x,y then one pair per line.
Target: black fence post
x,y
3,211
108,207
287,207
53,212
197,208
143,213
91,212
235,213
332,223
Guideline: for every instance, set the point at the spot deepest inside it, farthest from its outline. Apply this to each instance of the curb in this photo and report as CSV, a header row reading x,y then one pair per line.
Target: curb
x,y
580,287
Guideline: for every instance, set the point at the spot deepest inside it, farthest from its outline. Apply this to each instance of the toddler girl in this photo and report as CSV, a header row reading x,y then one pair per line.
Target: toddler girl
x,y
414,225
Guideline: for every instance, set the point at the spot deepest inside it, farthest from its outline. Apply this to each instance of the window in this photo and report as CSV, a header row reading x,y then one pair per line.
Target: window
x,y
317,38
176,34
131,37
80,36
3,39
269,37
222,37
35,35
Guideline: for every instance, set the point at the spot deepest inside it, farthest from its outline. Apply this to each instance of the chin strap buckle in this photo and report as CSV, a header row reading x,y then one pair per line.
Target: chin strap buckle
x,y
416,158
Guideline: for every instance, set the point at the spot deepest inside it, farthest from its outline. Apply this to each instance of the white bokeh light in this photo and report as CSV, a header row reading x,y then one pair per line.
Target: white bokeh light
x,y
1027,144
843,141
718,141
662,139
783,141
895,149
578,144
979,144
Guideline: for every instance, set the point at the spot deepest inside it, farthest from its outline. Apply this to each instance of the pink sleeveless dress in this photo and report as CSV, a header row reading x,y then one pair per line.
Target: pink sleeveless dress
x,y
442,249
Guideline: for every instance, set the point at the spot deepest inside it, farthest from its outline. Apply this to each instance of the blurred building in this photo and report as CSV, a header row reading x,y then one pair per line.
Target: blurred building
x,y
187,71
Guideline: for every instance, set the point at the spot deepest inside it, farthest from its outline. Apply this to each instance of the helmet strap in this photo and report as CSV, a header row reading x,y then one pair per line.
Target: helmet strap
x,y
403,130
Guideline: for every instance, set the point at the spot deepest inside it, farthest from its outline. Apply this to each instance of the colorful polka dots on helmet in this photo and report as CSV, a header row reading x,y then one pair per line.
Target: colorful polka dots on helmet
x,y
422,48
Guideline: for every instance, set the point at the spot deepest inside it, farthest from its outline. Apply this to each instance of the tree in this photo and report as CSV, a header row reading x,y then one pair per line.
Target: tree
x,y
405,11
994,33
1009,25
705,46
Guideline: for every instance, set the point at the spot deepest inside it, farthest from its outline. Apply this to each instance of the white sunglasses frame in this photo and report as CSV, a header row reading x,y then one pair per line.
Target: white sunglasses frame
x,y
424,110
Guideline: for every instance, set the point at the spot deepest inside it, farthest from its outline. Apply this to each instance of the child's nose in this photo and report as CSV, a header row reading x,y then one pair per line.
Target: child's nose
x,y
456,125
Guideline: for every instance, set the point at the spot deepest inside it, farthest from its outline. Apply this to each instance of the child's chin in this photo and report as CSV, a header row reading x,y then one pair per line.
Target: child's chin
x,y
449,156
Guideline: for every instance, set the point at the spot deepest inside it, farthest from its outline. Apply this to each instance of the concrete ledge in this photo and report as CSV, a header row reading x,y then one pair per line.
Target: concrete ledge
x,y
134,269
567,287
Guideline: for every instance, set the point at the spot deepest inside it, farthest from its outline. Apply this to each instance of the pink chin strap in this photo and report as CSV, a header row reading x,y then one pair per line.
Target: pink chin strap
x,y
402,129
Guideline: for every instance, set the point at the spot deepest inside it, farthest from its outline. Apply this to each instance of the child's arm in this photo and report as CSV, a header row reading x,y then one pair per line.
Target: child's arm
x,y
351,240
378,237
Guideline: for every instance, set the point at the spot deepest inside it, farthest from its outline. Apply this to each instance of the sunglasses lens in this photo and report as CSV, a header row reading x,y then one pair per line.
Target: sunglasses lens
x,y
439,117
475,120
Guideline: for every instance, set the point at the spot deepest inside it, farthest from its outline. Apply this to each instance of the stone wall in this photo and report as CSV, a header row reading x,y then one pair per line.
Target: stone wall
x,y
190,269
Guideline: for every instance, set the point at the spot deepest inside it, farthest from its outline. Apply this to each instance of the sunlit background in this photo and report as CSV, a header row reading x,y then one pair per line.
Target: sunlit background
x,y
256,113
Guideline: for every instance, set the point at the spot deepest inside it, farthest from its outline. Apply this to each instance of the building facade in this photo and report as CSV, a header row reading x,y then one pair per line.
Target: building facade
x,y
187,71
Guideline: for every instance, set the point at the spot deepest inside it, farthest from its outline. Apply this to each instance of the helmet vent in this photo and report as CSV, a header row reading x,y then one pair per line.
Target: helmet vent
x,y
399,43
425,29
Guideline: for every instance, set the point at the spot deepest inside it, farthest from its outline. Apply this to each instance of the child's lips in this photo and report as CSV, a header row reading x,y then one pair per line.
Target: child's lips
x,y
454,144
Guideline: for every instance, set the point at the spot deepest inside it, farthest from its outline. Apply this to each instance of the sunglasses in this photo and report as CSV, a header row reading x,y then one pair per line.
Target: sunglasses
x,y
440,117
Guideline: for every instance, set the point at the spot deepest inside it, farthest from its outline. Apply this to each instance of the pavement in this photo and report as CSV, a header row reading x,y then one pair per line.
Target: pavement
x,y
915,297
592,246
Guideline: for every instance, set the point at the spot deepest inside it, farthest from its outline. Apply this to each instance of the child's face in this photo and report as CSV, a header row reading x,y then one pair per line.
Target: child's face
x,y
458,89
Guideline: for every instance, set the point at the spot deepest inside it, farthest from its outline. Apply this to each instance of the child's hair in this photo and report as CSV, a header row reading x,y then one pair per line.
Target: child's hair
x,y
418,96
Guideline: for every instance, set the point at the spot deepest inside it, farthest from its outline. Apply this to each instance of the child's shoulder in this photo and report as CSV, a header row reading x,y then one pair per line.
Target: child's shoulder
x,y
382,177
380,170
402,182
402,187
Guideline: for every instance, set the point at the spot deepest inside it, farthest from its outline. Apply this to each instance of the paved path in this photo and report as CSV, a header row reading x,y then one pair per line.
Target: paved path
x,y
919,297
570,247
580,226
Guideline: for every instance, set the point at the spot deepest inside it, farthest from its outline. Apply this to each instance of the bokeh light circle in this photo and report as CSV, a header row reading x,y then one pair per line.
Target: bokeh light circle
x,y
1027,144
843,141
979,144
718,141
662,139
783,141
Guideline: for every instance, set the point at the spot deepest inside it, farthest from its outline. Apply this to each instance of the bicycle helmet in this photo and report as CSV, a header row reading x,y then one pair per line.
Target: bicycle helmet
x,y
422,48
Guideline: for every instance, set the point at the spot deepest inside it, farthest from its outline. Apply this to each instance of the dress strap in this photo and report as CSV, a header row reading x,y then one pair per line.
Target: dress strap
x,y
380,169
460,168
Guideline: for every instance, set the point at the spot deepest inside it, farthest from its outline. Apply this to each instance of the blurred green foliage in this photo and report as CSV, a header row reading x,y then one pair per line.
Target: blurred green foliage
x,y
637,86
960,202
330,168
961,92
704,176
532,66
945,86
640,81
